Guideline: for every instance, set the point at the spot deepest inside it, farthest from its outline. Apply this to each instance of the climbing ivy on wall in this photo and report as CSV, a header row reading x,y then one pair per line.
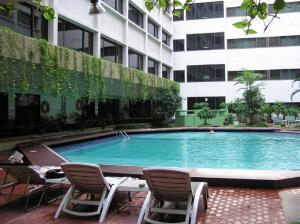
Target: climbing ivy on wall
x,y
28,63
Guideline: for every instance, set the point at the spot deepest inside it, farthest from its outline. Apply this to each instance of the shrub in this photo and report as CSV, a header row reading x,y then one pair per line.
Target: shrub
x,y
229,119
206,113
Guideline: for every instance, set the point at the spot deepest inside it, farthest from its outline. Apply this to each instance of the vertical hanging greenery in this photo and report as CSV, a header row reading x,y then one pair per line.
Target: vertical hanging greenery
x,y
63,72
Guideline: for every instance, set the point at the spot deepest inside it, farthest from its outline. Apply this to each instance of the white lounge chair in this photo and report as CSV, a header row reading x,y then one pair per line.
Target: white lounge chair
x,y
174,186
88,179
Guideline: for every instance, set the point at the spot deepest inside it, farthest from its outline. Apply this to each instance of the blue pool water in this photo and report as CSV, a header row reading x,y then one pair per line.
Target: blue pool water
x,y
235,150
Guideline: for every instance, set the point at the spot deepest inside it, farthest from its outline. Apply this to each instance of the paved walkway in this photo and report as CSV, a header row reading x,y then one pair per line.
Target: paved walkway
x,y
225,206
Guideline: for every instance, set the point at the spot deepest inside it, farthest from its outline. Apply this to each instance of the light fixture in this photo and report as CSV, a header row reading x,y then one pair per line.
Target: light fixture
x,y
96,8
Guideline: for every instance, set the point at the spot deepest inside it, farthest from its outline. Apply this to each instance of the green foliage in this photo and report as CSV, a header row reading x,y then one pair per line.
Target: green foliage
x,y
223,105
47,10
167,101
248,79
292,111
279,108
252,97
28,64
199,106
267,110
254,9
206,113
229,119
9,7
236,107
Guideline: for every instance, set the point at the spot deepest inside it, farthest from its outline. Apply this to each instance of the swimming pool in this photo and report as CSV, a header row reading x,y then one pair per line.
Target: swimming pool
x,y
222,150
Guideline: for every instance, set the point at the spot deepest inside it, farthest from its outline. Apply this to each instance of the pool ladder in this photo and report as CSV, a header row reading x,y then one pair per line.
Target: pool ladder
x,y
123,133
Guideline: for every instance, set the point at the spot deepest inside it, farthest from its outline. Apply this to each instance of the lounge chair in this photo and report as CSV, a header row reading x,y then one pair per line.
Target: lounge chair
x,y
173,186
34,183
88,179
291,120
278,121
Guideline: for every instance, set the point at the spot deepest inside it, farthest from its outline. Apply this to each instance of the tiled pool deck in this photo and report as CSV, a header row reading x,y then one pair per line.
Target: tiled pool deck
x,y
225,206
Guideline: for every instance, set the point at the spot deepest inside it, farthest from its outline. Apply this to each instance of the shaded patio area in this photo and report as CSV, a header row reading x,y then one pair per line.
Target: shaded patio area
x,y
225,205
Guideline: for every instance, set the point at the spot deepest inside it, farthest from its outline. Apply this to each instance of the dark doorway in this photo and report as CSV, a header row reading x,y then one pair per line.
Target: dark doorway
x,y
89,110
3,109
109,109
27,110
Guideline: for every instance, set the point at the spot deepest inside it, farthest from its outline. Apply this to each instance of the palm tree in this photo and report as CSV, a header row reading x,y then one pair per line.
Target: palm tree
x,y
248,78
296,90
252,96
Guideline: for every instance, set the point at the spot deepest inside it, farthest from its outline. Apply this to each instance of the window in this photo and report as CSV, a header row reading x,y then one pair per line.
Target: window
x,y
275,74
115,4
166,72
178,45
180,17
74,37
179,76
136,16
213,102
205,73
205,10
284,74
165,38
282,41
152,28
135,60
289,7
207,41
152,66
111,51
234,74
26,20
235,11
290,41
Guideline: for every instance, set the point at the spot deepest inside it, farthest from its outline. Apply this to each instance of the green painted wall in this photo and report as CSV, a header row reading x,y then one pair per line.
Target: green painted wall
x,y
189,118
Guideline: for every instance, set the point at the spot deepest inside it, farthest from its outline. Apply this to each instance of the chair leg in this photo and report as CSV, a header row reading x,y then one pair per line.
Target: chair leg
x,y
64,201
27,209
108,200
201,193
144,207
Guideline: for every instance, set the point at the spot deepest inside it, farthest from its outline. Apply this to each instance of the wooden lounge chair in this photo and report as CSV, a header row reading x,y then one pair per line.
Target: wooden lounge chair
x,y
34,183
88,179
173,186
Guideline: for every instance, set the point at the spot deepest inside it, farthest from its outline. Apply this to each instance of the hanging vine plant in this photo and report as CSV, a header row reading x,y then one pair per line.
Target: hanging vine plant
x,y
64,72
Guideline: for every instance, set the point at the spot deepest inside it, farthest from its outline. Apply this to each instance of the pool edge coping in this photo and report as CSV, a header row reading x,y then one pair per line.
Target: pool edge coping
x,y
215,177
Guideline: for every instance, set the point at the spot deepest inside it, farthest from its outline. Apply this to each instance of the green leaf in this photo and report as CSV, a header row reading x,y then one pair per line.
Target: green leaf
x,y
262,15
251,31
163,3
240,25
247,4
177,3
278,5
263,6
177,12
186,7
149,5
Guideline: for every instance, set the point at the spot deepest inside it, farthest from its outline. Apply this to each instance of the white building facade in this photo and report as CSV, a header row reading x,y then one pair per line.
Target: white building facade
x,y
202,49
209,52
126,33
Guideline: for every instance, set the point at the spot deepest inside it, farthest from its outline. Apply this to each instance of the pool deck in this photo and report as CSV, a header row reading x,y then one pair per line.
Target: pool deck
x,y
225,206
